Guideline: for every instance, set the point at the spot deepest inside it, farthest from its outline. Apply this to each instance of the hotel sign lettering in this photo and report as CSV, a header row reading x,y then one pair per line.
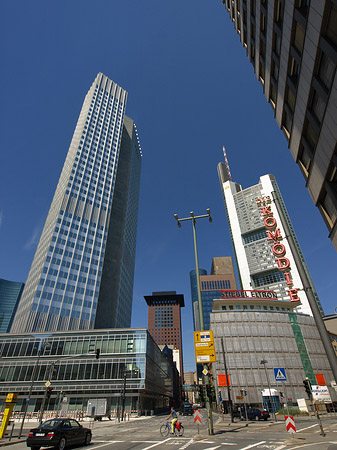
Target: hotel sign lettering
x,y
275,237
249,294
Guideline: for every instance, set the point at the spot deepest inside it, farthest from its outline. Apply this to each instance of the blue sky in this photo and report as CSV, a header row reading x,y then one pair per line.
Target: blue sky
x,y
191,91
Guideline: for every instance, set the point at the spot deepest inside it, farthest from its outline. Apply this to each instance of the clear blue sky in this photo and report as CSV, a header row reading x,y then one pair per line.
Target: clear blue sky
x,y
191,91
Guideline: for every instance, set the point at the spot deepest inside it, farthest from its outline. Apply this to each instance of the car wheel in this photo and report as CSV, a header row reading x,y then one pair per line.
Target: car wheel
x,y
87,439
62,444
265,418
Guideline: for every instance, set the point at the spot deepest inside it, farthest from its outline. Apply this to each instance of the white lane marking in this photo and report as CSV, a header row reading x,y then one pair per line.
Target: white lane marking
x,y
280,447
157,443
105,444
212,448
186,445
144,442
305,445
307,428
251,446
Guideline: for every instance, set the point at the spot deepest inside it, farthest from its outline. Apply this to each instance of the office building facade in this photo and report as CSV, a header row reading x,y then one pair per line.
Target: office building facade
x,y
164,322
262,334
128,357
292,46
222,276
256,218
10,294
82,272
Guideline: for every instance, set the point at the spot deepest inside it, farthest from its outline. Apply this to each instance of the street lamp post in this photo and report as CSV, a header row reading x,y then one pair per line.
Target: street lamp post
x,y
42,345
264,362
201,316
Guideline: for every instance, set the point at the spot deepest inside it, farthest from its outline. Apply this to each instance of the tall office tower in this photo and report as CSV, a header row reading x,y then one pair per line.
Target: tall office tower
x,y
261,245
10,294
222,276
82,272
293,48
164,321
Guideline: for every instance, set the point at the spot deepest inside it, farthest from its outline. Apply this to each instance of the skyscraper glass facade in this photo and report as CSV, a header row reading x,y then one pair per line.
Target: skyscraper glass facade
x,y
10,293
91,226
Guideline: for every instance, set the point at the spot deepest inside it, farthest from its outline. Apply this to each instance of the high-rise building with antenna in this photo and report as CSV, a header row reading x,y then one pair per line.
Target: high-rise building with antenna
x,y
264,257
82,273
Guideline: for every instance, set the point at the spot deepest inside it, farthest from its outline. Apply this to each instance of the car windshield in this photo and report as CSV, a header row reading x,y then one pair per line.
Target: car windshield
x,y
50,423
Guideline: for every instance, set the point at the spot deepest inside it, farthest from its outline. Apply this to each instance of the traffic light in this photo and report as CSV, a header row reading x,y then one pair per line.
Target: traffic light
x,y
201,393
209,391
49,391
307,387
98,351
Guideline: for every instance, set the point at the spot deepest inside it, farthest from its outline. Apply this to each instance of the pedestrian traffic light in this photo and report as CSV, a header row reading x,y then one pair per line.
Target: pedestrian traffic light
x,y
49,391
307,387
98,351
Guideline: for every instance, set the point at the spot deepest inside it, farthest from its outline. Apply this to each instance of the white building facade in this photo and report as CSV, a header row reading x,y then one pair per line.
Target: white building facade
x,y
263,255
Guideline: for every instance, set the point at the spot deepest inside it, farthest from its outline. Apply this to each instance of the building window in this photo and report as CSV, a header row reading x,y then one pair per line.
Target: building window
x,y
310,134
290,99
318,106
331,30
328,209
304,160
299,34
278,11
326,70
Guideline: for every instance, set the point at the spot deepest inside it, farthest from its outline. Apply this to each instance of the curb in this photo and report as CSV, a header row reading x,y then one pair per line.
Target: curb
x,y
4,444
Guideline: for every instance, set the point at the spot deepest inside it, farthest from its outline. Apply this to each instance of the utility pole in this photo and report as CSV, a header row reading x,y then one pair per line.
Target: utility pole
x,y
201,316
230,404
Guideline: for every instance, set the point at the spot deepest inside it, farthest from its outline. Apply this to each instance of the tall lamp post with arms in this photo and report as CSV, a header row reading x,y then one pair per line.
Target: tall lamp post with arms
x,y
201,316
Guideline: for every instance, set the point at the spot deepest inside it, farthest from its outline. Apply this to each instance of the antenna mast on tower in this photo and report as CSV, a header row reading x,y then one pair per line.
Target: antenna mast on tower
x,y
226,163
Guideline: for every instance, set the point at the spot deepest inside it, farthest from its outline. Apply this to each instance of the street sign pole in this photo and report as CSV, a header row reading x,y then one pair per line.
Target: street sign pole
x,y
227,381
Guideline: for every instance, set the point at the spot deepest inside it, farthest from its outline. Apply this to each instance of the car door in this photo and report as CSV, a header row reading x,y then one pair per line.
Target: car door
x,y
67,431
77,431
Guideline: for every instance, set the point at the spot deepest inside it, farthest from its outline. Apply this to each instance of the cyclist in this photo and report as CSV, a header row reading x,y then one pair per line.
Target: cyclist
x,y
174,417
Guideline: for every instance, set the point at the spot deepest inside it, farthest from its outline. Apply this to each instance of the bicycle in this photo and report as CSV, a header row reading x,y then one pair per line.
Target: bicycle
x,y
165,429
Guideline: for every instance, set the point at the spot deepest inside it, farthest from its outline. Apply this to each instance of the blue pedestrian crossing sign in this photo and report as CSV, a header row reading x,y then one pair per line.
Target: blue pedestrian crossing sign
x,y
280,374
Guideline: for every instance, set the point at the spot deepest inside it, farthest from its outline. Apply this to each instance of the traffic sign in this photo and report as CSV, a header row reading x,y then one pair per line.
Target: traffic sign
x,y
197,416
290,424
204,346
280,374
47,383
205,372
203,336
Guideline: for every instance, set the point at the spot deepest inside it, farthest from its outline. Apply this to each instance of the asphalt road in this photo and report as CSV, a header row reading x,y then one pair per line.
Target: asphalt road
x,y
144,435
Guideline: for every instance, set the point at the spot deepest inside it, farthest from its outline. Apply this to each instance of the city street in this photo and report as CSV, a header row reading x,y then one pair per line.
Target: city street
x,y
143,434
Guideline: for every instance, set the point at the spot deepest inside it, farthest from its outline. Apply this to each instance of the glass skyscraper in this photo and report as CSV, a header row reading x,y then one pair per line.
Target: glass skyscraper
x,y
82,272
10,293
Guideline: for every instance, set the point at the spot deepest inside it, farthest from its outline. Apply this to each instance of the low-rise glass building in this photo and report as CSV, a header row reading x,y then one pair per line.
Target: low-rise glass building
x,y
68,360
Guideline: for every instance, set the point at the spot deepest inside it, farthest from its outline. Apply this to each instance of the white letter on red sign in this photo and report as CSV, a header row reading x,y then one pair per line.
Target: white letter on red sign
x,y
283,263
270,222
278,249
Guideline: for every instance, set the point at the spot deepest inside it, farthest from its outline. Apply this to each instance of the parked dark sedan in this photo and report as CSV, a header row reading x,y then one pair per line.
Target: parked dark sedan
x,y
58,433
256,414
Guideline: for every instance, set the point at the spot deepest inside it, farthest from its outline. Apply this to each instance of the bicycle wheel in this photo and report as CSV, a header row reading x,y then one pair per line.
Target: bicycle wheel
x,y
164,430
180,432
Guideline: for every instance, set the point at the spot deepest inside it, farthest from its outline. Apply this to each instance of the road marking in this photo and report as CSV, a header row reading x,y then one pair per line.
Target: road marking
x,y
157,443
212,448
307,428
280,447
144,442
253,445
105,444
185,445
